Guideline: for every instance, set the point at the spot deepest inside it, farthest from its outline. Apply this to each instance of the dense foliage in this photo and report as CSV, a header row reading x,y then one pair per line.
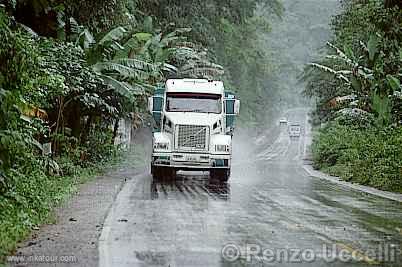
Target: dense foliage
x,y
45,88
368,156
360,82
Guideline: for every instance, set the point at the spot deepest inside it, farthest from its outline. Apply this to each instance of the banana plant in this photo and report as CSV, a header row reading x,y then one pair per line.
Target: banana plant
x,y
81,35
141,59
363,76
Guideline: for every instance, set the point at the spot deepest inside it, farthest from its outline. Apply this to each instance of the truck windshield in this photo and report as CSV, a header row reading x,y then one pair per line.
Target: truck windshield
x,y
190,102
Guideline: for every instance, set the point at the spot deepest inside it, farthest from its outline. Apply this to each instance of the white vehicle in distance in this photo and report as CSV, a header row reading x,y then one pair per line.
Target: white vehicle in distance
x,y
283,121
194,124
294,130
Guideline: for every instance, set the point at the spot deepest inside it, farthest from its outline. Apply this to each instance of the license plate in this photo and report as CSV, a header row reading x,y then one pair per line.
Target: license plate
x,y
191,158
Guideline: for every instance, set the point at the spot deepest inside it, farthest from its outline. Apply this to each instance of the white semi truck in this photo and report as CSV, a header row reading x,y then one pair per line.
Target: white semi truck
x,y
194,124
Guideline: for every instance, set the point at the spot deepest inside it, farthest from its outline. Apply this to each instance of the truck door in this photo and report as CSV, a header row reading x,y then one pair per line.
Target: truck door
x,y
230,112
158,107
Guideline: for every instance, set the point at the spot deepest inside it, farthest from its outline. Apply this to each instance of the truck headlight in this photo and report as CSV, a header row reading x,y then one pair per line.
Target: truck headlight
x,y
222,148
161,146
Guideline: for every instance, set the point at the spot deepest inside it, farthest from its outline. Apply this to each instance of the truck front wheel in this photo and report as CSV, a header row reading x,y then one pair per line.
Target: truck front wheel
x,y
221,175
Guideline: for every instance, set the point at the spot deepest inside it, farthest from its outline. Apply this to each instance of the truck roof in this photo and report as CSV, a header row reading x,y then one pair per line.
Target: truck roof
x,y
194,85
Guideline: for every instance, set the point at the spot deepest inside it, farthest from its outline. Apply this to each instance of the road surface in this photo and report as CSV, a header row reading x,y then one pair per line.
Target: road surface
x,y
271,213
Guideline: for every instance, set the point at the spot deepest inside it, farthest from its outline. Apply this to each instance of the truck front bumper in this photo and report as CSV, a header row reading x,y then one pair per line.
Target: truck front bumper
x,y
191,161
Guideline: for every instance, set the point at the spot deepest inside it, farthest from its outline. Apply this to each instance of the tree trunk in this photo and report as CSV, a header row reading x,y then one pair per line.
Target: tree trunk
x,y
74,121
58,124
67,26
115,129
87,129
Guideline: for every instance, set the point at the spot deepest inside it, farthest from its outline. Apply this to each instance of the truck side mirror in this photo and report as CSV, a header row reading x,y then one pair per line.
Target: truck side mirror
x,y
155,106
237,107
151,104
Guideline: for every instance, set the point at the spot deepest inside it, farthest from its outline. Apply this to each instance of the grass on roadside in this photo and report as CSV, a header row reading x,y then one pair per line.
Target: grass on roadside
x,y
30,203
368,156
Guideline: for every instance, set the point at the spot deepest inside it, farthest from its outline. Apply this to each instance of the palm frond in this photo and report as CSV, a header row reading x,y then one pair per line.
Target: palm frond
x,y
142,36
201,70
135,64
342,55
123,71
354,112
122,88
169,68
185,54
364,46
116,34
28,30
175,37
337,74
127,90
75,27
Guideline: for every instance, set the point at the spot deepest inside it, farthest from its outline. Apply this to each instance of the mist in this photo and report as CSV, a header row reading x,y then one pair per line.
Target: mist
x,y
296,38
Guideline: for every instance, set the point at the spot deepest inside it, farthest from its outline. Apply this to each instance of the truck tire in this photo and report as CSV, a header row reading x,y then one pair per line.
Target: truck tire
x,y
156,172
169,173
221,175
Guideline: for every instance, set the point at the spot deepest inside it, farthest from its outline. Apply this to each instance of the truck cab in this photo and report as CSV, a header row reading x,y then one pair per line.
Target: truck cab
x,y
193,128
294,130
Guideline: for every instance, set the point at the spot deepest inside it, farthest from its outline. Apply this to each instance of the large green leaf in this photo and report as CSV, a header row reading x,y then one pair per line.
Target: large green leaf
x,y
393,82
349,52
128,48
148,24
169,68
342,55
337,74
135,63
116,34
382,106
356,83
75,27
142,36
127,72
122,88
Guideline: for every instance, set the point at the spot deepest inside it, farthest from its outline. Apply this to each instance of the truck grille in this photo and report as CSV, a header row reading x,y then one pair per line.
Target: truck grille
x,y
192,137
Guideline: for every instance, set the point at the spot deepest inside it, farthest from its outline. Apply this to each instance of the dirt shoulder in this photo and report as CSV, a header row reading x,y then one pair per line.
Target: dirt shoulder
x,y
73,240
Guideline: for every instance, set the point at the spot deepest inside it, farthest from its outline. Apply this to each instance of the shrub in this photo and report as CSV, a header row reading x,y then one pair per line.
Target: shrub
x,y
368,156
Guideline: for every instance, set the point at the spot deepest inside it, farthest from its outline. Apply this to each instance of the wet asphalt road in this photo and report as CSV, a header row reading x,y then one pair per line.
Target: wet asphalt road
x,y
271,213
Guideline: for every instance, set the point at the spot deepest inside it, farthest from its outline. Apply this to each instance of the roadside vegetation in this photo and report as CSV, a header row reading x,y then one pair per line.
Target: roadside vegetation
x,y
71,70
358,94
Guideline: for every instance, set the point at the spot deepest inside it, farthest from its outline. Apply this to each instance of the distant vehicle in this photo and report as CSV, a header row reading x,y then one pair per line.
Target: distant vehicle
x,y
283,121
294,130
